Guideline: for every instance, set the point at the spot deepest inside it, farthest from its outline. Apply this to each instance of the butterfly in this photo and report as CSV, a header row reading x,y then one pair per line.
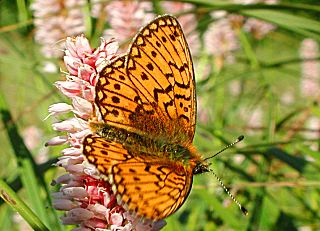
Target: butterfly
x,y
147,101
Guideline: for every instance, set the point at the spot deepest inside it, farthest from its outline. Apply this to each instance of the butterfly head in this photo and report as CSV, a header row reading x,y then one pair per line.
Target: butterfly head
x,y
201,167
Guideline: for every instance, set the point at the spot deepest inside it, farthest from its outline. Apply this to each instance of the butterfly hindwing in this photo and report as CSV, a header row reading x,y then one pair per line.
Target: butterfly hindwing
x,y
104,153
153,188
160,67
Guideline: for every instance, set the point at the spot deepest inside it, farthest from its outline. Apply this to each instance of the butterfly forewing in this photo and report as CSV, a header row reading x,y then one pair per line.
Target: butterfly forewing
x,y
117,98
160,66
154,188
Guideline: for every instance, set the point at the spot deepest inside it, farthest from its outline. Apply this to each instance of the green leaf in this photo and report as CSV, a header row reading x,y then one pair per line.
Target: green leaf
x,y
17,204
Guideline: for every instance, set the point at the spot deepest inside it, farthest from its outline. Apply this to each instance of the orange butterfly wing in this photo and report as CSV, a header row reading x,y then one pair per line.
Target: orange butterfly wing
x,y
155,82
154,188
160,67
117,98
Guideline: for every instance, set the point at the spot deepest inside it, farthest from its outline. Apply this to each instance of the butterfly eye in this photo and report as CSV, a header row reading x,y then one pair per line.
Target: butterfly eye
x,y
200,168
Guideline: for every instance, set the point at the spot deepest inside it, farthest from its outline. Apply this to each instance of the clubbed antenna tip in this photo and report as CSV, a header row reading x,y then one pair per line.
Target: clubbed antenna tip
x,y
240,138
244,210
228,146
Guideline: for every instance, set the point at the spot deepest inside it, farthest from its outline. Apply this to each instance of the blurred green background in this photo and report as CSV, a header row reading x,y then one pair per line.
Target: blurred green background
x,y
266,87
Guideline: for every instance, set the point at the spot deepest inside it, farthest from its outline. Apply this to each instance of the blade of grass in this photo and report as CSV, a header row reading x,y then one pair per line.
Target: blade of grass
x,y
16,183
248,50
5,212
17,204
221,5
27,166
295,162
296,23
87,20
22,10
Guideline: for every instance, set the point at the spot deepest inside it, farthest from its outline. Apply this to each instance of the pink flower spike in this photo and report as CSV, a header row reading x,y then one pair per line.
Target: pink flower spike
x,y
71,152
59,195
70,48
80,214
68,88
82,229
49,67
70,125
83,47
78,47
81,134
116,219
69,160
54,20
75,169
78,192
86,72
58,140
89,93
96,224
72,64
64,179
58,108
97,208
82,107
106,52
90,170
63,204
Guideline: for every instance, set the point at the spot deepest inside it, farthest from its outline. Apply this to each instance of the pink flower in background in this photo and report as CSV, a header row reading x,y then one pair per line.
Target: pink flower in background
x,y
310,83
312,126
235,87
188,22
221,40
253,118
310,72
32,137
287,97
87,199
258,28
124,17
55,20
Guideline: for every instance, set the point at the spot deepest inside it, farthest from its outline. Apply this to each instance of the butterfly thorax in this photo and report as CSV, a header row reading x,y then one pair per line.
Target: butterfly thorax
x,y
149,145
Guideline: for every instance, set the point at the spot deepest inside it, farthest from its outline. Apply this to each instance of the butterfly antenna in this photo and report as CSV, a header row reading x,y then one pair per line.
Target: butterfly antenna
x,y
243,209
226,147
